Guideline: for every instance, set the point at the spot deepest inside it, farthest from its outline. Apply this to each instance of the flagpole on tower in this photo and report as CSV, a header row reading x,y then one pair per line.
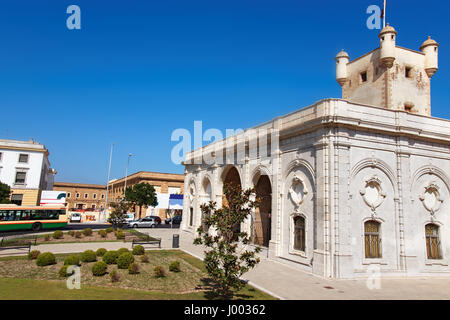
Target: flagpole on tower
x,y
384,14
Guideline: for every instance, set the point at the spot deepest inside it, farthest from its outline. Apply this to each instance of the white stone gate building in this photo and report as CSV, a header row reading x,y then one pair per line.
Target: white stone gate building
x,y
347,184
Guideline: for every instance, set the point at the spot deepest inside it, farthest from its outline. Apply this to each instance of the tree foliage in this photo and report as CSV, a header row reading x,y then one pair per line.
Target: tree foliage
x,y
227,258
118,213
142,194
5,192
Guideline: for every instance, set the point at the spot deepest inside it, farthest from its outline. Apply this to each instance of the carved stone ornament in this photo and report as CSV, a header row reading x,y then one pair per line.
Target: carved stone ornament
x,y
431,198
191,193
373,193
297,191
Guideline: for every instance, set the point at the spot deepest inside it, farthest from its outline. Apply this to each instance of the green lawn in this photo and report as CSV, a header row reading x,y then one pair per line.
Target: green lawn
x,y
20,278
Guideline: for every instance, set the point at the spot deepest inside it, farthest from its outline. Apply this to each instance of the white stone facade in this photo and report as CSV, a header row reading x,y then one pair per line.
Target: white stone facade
x,y
339,165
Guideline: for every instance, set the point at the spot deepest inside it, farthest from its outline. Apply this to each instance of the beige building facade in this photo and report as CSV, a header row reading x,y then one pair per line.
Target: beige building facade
x,y
83,196
349,187
164,184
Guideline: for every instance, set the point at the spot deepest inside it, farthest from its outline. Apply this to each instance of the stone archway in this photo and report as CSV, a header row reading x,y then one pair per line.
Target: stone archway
x,y
261,229
231,177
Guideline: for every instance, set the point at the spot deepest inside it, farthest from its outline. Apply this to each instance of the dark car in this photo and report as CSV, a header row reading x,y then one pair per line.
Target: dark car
x,y
174,220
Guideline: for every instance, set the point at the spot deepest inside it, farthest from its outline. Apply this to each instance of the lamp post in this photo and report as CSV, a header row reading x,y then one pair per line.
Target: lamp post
x,y
107,182
126,174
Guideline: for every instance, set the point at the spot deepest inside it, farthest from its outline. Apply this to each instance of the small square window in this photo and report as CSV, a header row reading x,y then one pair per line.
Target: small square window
x,y
364,76
94,196
68,194
86,195
77,195
23,158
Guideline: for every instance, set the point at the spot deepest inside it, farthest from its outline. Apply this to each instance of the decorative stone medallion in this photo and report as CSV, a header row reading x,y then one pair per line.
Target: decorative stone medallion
x,y
431,198
297,191
373,193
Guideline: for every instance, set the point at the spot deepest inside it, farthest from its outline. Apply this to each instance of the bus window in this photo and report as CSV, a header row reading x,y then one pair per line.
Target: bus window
x,y
2,215
35,215
25,215
17,215
52,214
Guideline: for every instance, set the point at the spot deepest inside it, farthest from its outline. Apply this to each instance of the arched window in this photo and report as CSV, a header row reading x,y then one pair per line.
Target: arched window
x,y
432,240
372,239
191,216
299,233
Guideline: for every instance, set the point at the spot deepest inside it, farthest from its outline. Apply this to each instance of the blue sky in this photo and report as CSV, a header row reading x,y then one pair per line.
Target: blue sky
x,y
137,70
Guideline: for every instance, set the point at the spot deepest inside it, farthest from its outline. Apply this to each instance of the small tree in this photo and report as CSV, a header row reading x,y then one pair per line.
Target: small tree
x,y
142,194
224,264
118,213
5,192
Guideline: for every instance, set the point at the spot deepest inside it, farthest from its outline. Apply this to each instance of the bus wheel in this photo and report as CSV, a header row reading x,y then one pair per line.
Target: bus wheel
x,y
36,226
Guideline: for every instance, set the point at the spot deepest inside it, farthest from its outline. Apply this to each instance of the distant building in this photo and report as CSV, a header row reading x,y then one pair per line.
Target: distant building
x,y
25,167
164,184
83,196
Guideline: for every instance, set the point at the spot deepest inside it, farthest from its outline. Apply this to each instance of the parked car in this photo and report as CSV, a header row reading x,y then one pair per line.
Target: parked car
x,y
174,220
146,222
129,218
75,217
158,219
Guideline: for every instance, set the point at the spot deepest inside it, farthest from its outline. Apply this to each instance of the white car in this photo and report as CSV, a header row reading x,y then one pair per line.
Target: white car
x,y
75,217
146,222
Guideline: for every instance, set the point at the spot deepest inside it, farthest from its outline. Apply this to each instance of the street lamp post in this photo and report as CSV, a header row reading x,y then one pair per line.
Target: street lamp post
x,y
107,182
126,174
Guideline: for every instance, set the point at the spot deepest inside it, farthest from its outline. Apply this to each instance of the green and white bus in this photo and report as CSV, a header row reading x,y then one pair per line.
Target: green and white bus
x,y
13,217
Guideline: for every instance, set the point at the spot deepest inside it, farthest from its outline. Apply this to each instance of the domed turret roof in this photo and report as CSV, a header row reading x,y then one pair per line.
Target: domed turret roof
x,y
387,29
429,42
342,54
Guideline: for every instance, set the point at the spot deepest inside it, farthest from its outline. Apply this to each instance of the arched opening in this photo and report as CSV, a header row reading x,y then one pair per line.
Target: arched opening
x,y
262,220
231,177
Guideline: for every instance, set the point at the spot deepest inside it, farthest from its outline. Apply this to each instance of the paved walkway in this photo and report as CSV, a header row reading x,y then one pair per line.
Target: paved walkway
x,y
284,281
287,282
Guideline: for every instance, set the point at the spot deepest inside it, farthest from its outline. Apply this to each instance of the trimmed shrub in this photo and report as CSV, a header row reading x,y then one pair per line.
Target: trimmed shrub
x,y
122,250
87,232
33,254
114,276
45,259
175,266
63,272
58,234
159,272
71,233
88,256
72,260
78,234
145,259
138,250
100,252
109,230
102,233
110,257
124,260
120,235
99,268
133,268
47,237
